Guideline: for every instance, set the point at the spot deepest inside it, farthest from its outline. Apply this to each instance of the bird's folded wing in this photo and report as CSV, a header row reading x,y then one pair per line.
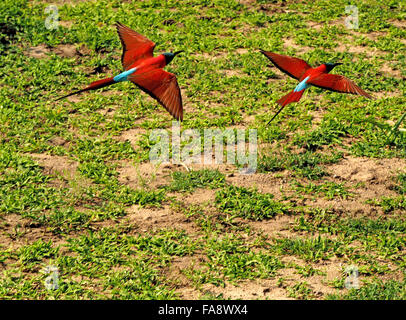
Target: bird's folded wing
x,y
293,67
163,87
135,46
338,83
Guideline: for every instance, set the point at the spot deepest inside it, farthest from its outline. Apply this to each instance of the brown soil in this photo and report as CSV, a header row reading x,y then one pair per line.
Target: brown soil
x,y
63,50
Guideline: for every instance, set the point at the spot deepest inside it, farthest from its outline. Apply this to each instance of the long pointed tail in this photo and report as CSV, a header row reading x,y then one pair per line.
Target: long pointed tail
x,y
293,96
94,85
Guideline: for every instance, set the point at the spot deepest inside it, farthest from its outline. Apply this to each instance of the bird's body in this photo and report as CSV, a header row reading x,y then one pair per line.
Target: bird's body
x,y
308,76
145,71
157,62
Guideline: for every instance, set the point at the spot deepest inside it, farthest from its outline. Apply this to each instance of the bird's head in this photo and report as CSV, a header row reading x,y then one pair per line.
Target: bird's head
x,y
169,56
330,66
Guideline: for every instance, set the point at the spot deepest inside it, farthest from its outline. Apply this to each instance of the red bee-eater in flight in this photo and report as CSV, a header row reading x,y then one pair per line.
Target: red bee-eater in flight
x,y
145,71
308,76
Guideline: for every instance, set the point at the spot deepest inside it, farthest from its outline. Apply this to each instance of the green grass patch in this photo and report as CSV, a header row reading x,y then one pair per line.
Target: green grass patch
x,y
249,203
375,290
191,180
310,249
307,164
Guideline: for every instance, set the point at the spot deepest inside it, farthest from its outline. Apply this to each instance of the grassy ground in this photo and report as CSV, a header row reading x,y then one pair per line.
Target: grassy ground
x,y
77,190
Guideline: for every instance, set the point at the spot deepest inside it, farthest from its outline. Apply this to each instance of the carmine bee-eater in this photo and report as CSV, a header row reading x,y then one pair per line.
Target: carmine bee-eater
x,y
145,71
308,76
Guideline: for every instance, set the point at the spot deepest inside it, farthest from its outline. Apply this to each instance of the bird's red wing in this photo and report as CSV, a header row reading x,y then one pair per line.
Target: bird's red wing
x,y
293,67
135,46
338,83
163,87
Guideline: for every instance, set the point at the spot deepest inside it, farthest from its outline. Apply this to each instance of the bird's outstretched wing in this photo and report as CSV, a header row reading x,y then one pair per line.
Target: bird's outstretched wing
x,y
293,67
338,83
163,87
135,46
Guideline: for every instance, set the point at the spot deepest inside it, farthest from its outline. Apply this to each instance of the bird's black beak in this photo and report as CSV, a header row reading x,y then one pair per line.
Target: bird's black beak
x,y
177,52
337,64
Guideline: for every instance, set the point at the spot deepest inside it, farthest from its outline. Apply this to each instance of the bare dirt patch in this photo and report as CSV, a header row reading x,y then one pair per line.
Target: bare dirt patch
x,y
154,219
367,170
232,73
16,232
387,94
290,43
270,8
399,23
66,50
107,112
146,174
358,49
319,283
278,226
200,196
132,135
66,24
373,35
261,289
38,52
389,71
372,179
367,179
64,171
183,286
212,56
42,51
319,25
57,141
56,164
265,183
328,270
209,163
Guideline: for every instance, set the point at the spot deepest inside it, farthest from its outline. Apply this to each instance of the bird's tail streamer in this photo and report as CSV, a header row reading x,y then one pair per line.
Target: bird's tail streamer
x,y
94,85
293,96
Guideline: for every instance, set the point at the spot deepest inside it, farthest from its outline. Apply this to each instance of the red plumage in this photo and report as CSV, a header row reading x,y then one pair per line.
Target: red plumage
x,y
163,87
293,67
93,86
319,77
136,47
338,83
148,74
293,96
